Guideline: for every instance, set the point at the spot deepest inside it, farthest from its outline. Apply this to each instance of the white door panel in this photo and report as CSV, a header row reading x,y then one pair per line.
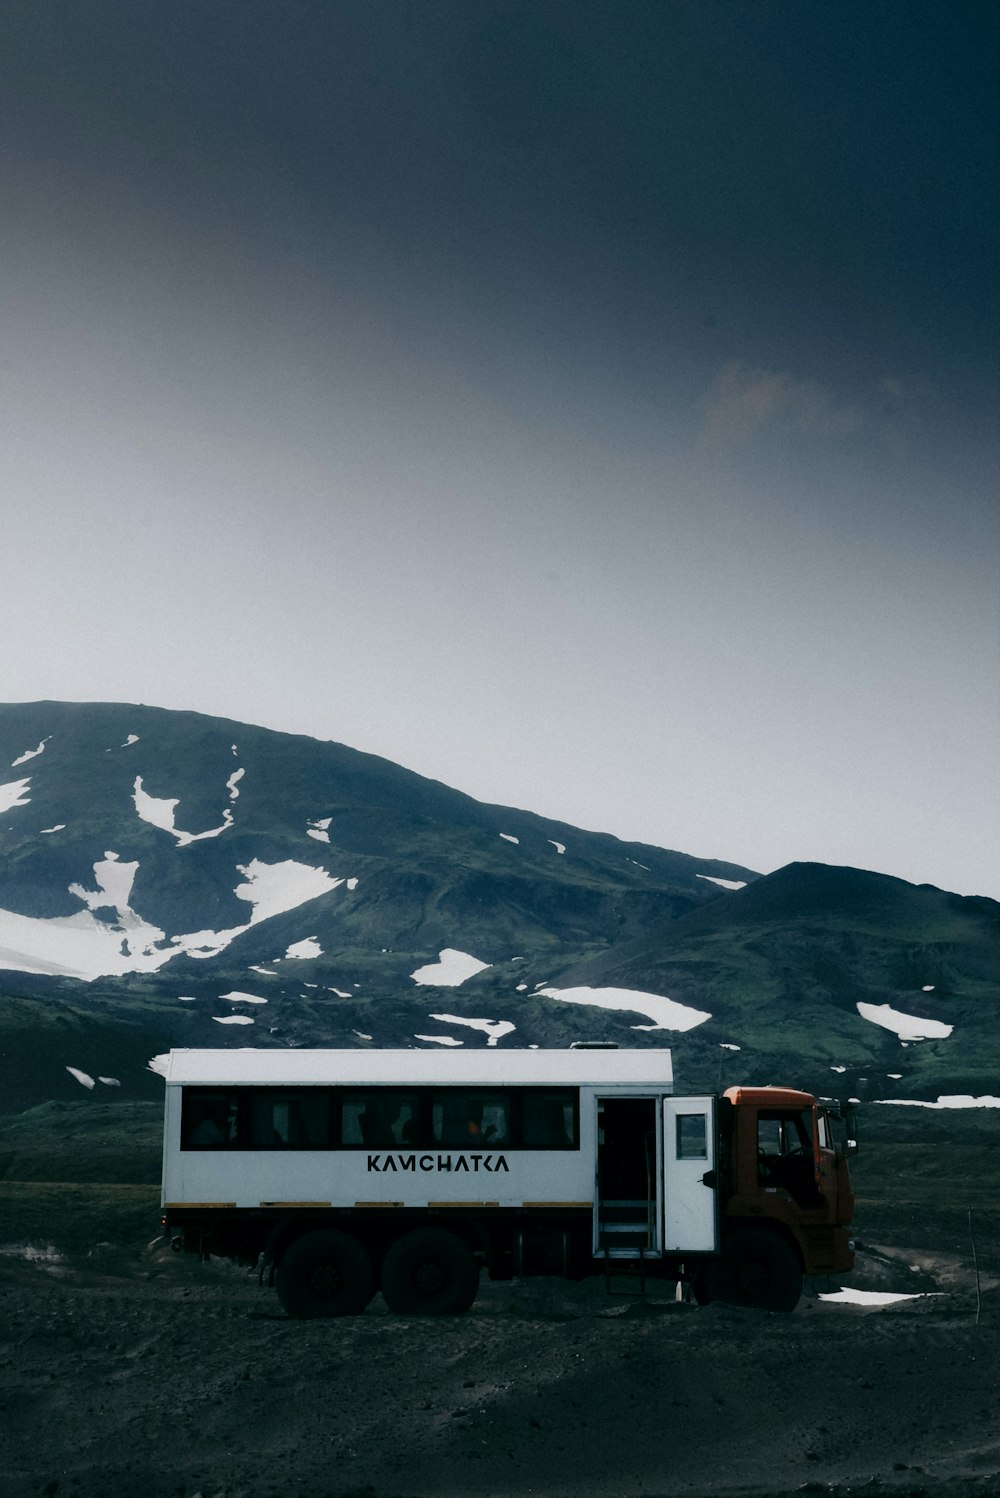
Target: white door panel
x,y
690,1209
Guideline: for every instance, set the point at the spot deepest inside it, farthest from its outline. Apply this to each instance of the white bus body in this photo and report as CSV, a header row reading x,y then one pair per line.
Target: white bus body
x,y
347,1171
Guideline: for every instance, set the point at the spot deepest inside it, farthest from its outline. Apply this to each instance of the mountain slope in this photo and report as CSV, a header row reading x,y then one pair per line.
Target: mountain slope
x,y
194,803
172,879
796,954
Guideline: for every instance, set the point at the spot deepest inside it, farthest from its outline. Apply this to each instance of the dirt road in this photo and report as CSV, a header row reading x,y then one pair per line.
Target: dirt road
x,y
163,1376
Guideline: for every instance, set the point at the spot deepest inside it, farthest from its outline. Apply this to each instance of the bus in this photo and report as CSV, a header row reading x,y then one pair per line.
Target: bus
x,y
342,1173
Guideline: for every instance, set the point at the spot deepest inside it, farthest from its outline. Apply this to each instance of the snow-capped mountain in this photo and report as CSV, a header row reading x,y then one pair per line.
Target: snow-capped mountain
x,y
168,878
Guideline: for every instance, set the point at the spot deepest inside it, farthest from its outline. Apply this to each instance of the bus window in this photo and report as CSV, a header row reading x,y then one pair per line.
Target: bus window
x,y
470,1118
209,1119
379,1118
549,1119
289,1119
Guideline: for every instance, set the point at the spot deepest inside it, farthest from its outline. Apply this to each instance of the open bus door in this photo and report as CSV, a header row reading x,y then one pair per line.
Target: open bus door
x,y
690,1197
627,1212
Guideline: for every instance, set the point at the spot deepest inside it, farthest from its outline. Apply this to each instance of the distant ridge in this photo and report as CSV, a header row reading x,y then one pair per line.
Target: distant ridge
x,y
172,878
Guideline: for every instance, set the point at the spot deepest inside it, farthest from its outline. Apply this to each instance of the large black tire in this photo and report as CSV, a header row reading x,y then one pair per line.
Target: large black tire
x,y
756,1269
326,1273
429,1272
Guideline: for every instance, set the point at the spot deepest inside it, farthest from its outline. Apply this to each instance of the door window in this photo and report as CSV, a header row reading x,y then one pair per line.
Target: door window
x,y
692,1136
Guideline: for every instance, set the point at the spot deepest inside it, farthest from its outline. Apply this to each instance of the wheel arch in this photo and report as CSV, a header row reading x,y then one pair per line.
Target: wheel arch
x,y
769,1225
378,1236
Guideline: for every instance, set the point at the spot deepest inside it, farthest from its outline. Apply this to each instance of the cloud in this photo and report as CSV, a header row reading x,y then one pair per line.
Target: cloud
x,y
743,401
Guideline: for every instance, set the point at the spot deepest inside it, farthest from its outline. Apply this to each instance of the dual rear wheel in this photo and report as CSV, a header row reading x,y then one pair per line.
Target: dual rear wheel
x,y
427,1272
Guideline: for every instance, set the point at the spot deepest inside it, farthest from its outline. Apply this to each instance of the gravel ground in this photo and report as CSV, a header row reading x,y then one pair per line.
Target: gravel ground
x,y
159,1376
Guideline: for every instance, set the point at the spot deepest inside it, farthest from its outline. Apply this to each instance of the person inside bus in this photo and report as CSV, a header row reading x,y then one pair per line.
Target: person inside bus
x,y
216,1125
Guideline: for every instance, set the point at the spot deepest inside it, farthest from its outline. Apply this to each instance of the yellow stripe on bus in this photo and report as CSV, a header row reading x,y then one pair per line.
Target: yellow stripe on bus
x,y
463,1204
172,1205
557,1204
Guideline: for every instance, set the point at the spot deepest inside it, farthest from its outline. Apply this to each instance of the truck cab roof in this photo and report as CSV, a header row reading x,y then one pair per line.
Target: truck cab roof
x,y
769,1097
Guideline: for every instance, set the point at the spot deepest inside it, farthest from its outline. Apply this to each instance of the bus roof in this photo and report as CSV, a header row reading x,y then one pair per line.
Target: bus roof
x,y
400,1068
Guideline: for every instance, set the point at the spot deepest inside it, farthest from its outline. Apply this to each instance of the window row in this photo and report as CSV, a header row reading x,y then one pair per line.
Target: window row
x,y
380,1118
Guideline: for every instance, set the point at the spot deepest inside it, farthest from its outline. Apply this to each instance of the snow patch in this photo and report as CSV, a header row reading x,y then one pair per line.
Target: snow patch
x,y
266,972
84,946
509,837
907,1026
232,784
950,1100
14,793
133,738
273,888
927,988
727,1045
81,1076
110,1081
452,968
158,811
340,993
521,987
57,828
559,847
723,883
435,1039
496,1029
186,998
867,1297
237,996
114,882
308,947
352,884
232,1019
666,1014
318,829
29,753
838,1068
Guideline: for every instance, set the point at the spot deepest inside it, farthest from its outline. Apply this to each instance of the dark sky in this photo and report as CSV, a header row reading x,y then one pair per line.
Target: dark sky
x,y
590,406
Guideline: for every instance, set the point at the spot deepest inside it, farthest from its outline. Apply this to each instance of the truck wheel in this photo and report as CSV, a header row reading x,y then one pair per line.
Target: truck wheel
x,y
429,1272
757,1269
325,1274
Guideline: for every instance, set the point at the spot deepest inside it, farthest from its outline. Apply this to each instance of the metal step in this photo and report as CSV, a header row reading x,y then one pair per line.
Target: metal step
x,y
631,1276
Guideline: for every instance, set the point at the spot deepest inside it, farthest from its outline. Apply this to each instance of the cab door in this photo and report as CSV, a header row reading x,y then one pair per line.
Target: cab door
x,y
690,1196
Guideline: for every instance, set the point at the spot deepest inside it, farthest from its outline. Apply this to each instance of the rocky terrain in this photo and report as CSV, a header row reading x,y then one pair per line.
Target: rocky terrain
x,y
126,1368
154,1374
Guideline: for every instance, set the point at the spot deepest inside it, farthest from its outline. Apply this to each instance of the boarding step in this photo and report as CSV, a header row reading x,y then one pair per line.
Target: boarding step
x,y
633,1275
624,1227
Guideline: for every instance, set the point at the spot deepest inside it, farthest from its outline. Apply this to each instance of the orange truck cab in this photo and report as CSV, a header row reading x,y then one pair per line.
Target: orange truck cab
x,y
785,1196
